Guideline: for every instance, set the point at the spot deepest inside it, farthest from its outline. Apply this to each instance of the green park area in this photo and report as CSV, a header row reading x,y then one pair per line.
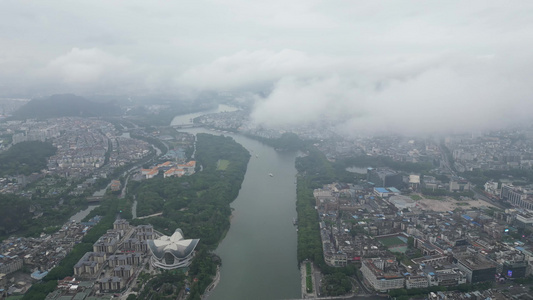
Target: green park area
x,y
308,278
416,197
391,241
394,244
198,204
222,164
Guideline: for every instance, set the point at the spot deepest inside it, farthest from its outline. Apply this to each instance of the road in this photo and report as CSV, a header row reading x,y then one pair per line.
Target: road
x,y
317,278
446,161
123,192
480,196
362,287
477,195
134,210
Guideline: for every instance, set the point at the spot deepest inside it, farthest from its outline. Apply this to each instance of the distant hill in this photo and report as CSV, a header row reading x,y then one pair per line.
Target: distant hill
x,y
64,105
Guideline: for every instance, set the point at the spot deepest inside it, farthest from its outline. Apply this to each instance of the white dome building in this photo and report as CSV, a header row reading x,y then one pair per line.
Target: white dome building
x,y
172,252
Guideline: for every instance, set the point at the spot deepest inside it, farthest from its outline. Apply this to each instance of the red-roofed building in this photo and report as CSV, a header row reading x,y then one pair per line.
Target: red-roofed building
x,y
174,172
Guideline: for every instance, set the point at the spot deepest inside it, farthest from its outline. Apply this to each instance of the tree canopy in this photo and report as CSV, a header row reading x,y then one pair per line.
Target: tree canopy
x,y
64,105
25,158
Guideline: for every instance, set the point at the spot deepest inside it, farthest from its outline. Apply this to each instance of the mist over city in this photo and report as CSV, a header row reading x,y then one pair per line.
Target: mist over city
x,y
374,66
271,150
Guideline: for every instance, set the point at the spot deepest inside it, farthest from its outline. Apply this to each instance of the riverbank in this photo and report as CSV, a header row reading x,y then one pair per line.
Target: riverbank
x,y
213,284
82,214
262,235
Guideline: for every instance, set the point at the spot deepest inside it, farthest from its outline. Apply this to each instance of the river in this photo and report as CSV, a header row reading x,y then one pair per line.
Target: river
x,y
259,251
83,213
187,119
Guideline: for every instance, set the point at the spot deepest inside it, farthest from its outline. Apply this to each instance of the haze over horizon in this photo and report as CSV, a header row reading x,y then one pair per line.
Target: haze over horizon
x,y
384,66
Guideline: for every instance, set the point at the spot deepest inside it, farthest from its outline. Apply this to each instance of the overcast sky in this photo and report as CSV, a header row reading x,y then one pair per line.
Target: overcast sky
x,y
388,65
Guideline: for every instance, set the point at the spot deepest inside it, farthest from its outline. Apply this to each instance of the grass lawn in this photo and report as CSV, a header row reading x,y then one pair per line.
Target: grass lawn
x,y
391,241
416,197
308,278
222,164
434,197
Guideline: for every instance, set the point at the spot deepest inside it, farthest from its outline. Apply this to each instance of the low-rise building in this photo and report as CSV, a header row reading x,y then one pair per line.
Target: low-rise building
x,y
416,282
10,264
336,259
382,274
447,276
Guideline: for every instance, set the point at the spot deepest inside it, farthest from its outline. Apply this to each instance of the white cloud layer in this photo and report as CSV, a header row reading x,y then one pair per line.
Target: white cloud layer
x,y
370,66
84,66
448,92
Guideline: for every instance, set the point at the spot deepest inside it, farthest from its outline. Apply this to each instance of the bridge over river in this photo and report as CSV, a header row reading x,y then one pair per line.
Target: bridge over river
x,y
190,125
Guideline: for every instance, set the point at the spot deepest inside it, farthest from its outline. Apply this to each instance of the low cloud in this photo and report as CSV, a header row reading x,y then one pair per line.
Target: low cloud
x,y
251,70
440,93
87,66
365,66
86,70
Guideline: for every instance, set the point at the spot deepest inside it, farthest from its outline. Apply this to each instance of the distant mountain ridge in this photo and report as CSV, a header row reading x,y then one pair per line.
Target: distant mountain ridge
x,y
64,105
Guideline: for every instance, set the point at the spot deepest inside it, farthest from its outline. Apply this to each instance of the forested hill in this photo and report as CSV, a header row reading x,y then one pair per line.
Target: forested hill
x,y
64,105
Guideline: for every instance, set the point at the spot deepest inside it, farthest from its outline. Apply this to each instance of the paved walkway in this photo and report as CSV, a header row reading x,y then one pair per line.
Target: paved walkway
x,y
212,285
149,216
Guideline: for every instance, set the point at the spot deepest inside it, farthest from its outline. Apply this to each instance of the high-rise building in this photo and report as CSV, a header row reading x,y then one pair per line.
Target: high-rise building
x,y
384,178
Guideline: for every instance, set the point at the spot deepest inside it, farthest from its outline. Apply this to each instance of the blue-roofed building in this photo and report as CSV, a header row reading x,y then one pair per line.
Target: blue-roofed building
x,y
385,192
38,275
467,217
394,190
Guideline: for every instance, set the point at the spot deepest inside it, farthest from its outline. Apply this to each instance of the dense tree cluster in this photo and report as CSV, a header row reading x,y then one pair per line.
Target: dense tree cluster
x,y
14,214
309,242
64,105
288,141
315,171
198,204
143,116
480,177
169,283
336,284
25,158
316,168
30,217
385,161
